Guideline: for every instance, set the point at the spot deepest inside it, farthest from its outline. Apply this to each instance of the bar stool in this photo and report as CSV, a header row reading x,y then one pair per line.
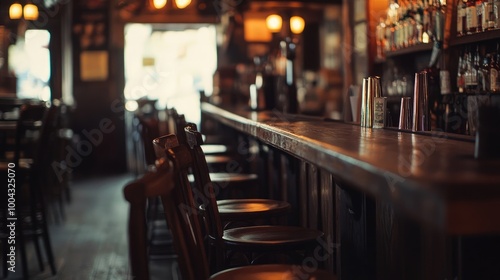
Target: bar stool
x,y
176,121
187,232
139,193
232,211
294,242
252,239
224,168
158,233
29,194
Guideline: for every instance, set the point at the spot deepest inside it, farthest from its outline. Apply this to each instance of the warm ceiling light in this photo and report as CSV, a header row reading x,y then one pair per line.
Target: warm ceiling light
x,y
30,12
181,4
273,23
297,24
15,11
158,4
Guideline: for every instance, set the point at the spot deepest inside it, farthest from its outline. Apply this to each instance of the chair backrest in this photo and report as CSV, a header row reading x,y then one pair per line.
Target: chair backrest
x,y
182,161
191,159
137,193
206,194
30,117
149,130
170,115
46,148
181,217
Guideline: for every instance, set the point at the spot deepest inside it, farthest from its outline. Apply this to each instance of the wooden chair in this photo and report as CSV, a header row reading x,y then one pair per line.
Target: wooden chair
x,y
253,241
31,184
177,122
232,211
223,167
153,184
149,130
158,233
181,214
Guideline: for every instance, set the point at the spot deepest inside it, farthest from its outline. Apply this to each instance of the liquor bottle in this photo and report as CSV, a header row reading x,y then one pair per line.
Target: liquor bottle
x,y
497,68
461,73
380,35
484,75
471,16
476,72
471,73
488,15
432,14
426,20
496,12
494,68
460,18
480,16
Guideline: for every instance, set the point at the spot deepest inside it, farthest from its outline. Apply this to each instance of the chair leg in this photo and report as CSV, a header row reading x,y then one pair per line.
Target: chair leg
x,y
22,249
38,253
61,207
5,252
48,248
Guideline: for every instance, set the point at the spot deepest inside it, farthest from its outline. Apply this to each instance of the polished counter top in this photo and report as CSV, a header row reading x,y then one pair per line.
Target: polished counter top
x,y
433,177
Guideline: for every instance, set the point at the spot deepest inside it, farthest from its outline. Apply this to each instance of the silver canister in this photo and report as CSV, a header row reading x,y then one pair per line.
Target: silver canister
x,y
421,113
405,121
371,89
364,94
379,109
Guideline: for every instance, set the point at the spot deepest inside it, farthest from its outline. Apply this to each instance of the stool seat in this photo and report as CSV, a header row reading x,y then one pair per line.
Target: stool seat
x,y
24,163
228,177
218,159
250,209
270,236
272,271
214,149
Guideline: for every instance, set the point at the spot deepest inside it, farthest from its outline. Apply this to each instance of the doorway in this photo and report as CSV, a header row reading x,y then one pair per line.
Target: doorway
x,y
169,63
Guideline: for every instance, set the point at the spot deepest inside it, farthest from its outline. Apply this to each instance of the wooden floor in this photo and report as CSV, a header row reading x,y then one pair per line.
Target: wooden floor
x,y
92,241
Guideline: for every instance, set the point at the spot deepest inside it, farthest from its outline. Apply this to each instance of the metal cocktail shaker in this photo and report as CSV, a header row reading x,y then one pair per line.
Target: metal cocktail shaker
x,y
421,113
405,120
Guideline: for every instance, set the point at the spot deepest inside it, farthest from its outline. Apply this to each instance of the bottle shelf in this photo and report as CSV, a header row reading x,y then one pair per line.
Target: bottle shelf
x,y
410,50
423,47
476,38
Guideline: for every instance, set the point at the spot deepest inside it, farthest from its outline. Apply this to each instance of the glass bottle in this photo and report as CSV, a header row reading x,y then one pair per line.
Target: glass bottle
x,y
432,14
484,75
460,18
461,73
476,72
488,15
497,67
419,15
380,35
471,16
496,13
426,19
480,16
494,68
444,78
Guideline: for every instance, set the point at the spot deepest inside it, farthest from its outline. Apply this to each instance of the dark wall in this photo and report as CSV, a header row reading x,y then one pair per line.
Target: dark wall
x,y
98,115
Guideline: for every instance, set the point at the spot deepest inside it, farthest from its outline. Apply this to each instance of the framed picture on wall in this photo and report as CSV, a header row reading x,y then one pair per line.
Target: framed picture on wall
x,y
94,65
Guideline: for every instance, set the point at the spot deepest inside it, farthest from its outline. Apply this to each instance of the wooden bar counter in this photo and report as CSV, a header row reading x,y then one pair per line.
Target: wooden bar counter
x,y
430,179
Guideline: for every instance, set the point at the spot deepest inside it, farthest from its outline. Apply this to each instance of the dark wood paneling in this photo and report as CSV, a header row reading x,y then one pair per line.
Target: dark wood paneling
x,y
327,213
313,197
356,231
